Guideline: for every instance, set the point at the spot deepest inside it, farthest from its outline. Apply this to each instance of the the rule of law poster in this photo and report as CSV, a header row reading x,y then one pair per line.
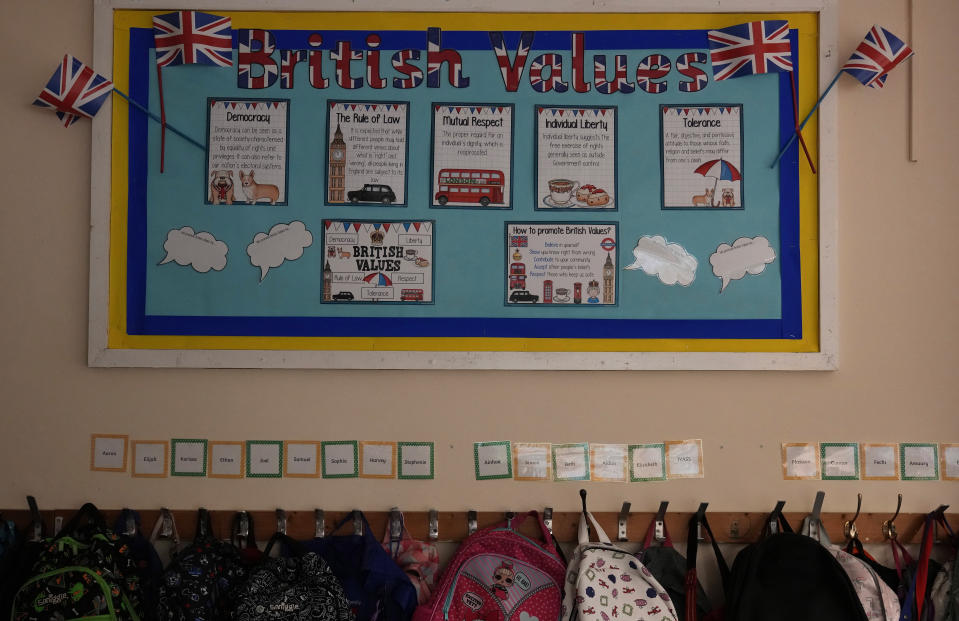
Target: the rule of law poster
x,y
246,159
472,156
366,155
576,157
561,263
702,156
378,261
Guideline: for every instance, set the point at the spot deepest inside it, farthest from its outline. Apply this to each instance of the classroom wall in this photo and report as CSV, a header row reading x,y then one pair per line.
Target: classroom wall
x,y
899,344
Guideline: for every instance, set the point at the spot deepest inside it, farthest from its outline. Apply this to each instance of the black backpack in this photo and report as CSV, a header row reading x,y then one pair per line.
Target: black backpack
x,y
789,577
287,588
149,567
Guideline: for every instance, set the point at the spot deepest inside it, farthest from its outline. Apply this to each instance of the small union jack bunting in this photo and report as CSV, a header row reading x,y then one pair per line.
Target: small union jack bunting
x,y
751,48
75,90
192,37
878,54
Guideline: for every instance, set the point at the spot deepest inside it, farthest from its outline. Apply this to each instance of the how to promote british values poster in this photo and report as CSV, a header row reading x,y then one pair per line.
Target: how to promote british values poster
x,y
575,157
378,261
247,153
702,155
367,150
472,156
561,263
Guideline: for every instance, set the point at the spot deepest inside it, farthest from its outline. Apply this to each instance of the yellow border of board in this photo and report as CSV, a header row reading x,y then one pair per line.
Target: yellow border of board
x,y
806,23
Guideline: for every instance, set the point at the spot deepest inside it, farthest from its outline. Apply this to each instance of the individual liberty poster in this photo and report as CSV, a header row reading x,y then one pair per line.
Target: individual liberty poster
x,y
575,157
247,154
472,156
366,152
561,263
702,156
378,261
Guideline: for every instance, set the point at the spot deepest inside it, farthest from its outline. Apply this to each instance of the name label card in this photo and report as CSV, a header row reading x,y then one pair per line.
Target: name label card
x,y
950,462
919,462
492,460
840,461
800,461
531,461
571,462
340,459
414,460
264,459
378,460
647,462
608,462
227,459
684,459
302,459
189,457
108,452
880,462
149,458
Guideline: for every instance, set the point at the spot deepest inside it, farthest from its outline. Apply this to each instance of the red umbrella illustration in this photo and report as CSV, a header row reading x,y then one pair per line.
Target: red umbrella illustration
x,y
718,169
378,279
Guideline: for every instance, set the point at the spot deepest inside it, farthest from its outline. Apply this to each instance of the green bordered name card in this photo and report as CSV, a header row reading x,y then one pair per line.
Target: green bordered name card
x,y
414,460
919,461
264,459
340,459
188,457
492,460
839,460
647,462
571,462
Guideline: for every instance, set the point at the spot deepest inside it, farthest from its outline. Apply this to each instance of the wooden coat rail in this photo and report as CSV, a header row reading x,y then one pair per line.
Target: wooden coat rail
x,y
728,527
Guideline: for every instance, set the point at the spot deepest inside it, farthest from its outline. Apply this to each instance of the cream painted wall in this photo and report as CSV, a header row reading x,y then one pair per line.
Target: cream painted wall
x,y
899,341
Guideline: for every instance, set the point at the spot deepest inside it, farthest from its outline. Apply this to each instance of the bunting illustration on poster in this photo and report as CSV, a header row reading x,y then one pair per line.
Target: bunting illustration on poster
x,y
378,261
472,156
745,256
366,159
201,251
576,157
702,156
561,263
247,137
284,242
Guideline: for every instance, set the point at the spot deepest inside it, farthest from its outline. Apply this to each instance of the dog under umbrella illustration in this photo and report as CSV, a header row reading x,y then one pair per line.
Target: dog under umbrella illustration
x,y
719,170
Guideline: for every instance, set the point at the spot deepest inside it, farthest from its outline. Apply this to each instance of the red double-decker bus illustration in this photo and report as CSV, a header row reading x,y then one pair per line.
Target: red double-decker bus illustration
x,y
468,185
411,295
517,276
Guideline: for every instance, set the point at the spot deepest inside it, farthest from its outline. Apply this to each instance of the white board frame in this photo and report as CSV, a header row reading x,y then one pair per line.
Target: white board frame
x,y
100,355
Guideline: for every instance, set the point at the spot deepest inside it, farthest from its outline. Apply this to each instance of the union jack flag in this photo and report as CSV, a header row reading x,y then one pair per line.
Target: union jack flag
x,y
751,48
876,56
191,37
74,90
518,241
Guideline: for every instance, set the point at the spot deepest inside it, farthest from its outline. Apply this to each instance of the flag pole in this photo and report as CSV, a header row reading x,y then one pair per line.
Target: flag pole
x,y
157,119
802,141
806,120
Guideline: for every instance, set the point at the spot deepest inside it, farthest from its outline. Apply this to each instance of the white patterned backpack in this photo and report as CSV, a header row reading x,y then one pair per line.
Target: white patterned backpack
x,y
605,583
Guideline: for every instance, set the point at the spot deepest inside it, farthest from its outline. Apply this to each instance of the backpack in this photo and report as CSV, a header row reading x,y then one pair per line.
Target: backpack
x,y
697,522
944,593
670,568
418,559
920,578
147,562
199,582
375,586
603,581
878,600
498,574
83,572
789,577
290,588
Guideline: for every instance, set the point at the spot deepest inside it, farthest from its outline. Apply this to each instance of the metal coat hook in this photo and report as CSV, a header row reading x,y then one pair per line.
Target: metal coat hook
x,y
434,525
319,523
470,522
357,522
849,526
815,523
396,524
166,523
623,519
202,525
659,523
700,516
582,496
243,525
130,524
548,519
889,526
774,518
509,518
280,521
36,519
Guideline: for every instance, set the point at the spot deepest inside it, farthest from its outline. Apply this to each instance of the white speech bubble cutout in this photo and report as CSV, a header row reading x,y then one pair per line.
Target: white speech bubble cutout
x,y
201,250
745,256
668,262
284,242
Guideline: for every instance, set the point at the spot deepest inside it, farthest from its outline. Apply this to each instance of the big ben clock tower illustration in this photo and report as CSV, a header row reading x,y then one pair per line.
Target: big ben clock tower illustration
x,y
336,181
609,287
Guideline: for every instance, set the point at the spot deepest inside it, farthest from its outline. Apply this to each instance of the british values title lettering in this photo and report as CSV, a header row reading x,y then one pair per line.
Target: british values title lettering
x,y
258,68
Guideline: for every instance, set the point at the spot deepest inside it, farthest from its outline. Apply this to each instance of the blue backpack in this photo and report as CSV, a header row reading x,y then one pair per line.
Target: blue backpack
x,y
375,585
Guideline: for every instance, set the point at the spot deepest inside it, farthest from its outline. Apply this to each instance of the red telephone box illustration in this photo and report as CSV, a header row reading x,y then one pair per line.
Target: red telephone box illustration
x,y
577,293
547,292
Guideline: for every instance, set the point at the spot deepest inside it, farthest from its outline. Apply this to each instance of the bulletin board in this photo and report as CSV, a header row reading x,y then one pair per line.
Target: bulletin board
x,y
403,189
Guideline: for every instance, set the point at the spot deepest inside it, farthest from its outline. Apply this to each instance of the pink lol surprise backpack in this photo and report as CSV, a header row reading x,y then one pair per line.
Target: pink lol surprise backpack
x,y
499,574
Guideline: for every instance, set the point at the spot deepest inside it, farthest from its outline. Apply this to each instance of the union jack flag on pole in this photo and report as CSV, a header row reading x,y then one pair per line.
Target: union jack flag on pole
x,y
75,90
751,48
876,56
192,37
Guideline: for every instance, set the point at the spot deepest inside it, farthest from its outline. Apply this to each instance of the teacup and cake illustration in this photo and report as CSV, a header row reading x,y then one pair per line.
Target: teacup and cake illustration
x,y
567,193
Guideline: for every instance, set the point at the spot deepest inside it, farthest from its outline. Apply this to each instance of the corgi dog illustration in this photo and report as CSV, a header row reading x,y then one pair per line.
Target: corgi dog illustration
x,y
699,199
258,191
